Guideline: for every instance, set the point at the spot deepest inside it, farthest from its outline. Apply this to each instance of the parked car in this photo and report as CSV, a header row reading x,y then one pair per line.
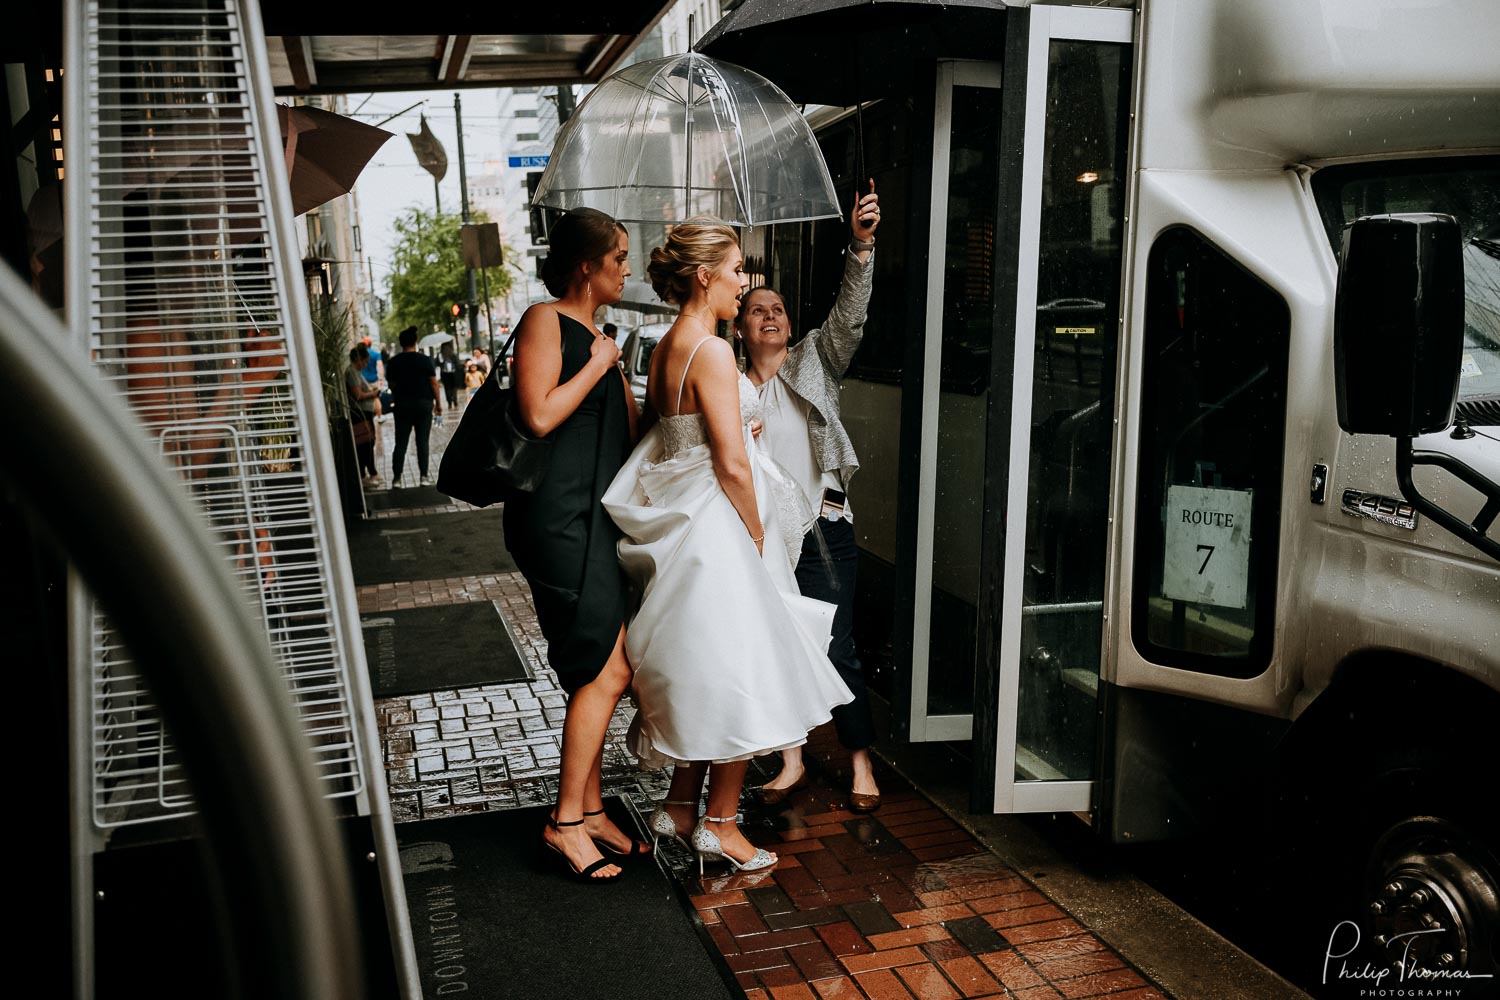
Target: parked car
x,y
636,357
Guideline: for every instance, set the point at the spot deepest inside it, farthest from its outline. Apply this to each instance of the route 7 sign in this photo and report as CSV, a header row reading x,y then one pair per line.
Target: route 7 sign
x,y
1207,559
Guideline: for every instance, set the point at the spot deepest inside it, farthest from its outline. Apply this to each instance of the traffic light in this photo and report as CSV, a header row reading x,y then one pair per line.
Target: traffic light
x,y
542,219
459,309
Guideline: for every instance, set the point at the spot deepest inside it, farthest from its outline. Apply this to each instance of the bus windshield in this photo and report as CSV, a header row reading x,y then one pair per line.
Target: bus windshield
x,y
1467,188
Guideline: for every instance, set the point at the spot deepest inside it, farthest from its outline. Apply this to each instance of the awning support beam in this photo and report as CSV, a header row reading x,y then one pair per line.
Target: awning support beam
x,y
299,59
454,58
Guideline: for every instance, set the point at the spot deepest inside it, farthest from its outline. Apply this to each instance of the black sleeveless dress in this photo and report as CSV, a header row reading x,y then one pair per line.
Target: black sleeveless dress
x,y
562,539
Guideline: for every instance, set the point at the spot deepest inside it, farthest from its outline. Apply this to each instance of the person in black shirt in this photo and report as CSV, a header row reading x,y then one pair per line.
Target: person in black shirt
x,y
414,386
451,373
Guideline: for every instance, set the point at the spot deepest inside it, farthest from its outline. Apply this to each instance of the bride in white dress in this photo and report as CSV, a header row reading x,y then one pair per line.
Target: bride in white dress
x,y
729,658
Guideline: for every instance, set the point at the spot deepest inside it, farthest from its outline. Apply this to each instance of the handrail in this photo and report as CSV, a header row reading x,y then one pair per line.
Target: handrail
x,y
154,567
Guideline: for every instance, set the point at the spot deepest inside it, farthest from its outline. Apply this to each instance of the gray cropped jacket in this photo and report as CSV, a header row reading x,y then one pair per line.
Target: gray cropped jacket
x,y
814,366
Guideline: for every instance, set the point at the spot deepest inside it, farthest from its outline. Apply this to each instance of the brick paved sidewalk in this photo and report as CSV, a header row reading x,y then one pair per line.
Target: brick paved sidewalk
x,y
899,905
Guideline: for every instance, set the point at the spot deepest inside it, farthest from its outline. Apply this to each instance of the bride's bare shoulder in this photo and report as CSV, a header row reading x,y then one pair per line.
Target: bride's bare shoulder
x,y
716,352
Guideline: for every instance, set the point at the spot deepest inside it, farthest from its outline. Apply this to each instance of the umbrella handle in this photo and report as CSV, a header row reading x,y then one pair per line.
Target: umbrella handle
x,y
859,129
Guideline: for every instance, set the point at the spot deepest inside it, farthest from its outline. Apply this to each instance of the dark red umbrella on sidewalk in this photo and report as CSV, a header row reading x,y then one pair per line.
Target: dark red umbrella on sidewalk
x,y
325,153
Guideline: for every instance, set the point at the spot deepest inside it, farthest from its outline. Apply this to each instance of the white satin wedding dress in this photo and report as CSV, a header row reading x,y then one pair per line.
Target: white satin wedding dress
x,y
730,659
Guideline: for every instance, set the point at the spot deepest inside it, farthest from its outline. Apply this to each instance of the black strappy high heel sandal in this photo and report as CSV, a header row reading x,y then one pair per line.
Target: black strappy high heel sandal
x,y
587,875
638,848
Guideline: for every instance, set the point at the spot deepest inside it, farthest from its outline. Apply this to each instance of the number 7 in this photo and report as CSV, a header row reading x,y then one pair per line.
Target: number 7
x,y
1206,558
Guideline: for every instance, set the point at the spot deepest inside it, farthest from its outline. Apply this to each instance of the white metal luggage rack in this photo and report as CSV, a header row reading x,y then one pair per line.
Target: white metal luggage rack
x,y
184,291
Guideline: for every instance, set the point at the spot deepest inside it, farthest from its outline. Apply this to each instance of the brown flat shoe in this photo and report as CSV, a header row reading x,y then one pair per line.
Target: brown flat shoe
x,y
862,803
775,796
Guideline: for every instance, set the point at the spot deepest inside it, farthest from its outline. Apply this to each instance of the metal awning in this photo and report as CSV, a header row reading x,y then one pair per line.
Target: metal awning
x,y
342,46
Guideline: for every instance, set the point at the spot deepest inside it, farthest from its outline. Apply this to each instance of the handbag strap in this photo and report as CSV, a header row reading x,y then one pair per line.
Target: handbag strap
x,y
505,348
500,356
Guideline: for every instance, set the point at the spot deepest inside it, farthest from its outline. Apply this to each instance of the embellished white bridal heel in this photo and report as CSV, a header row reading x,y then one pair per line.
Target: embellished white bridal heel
x,y
706,845
662,825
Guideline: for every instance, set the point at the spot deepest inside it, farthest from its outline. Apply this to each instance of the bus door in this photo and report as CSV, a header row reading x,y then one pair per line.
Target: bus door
x,y
1028,183
955,395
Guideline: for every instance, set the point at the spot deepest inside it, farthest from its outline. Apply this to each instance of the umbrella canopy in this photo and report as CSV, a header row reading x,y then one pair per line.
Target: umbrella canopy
x,y
668,139
641,297
842,52
434,339
324,153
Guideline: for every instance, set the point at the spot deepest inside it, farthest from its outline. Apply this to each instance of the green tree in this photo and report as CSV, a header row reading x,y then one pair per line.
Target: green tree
x,y
428,274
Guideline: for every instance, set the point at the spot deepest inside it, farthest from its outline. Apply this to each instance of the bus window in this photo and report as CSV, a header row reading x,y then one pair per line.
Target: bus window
x,y
1465,187
1212,434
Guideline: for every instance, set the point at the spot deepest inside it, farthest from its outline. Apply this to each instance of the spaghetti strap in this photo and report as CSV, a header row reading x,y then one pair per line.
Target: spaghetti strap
x,y
683,383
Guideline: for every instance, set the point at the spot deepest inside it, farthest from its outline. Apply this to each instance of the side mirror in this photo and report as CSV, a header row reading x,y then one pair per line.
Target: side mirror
x,y
1398,324
1398,328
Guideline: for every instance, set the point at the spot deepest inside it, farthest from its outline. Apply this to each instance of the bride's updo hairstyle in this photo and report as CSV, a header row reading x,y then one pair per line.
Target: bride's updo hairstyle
x,y
583,235
690,245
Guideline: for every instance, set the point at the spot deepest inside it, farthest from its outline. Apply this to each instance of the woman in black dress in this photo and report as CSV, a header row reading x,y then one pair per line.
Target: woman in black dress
x,y
569,385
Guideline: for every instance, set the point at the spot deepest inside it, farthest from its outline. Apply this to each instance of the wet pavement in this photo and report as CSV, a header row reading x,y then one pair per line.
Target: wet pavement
x,y
905,903
902,903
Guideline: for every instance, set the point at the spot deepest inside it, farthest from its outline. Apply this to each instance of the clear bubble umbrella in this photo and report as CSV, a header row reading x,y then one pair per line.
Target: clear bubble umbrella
x,y
668,139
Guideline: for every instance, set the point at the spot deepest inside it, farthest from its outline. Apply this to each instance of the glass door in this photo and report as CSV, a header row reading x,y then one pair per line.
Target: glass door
x,y
956,391
1068,90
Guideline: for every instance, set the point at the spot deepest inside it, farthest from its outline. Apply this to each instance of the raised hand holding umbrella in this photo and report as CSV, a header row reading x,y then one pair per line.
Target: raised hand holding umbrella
x,y
866,215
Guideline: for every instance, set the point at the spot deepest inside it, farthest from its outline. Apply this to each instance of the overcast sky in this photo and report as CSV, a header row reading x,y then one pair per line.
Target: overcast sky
x,y
393,182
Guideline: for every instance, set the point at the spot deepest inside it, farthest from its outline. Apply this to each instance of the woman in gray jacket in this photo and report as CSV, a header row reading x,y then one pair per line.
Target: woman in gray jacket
x,y
799,387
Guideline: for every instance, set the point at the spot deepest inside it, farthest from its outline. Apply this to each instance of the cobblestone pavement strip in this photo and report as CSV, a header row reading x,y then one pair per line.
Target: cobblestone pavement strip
x,y
898,905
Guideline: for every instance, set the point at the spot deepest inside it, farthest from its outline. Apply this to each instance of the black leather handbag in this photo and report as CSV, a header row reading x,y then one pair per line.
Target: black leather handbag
x,y
492,457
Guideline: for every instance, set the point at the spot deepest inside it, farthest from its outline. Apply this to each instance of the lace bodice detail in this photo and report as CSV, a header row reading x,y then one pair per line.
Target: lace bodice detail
x,y
679,434
688,430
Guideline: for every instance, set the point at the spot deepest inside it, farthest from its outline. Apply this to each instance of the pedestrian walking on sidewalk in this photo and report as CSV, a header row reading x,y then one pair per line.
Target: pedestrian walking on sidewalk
x,y
374,373
728,657
570,388
417,394
799,388
451,373
362,402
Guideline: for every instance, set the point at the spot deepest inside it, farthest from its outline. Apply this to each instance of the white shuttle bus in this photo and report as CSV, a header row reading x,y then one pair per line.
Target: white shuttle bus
x,y
1176,517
